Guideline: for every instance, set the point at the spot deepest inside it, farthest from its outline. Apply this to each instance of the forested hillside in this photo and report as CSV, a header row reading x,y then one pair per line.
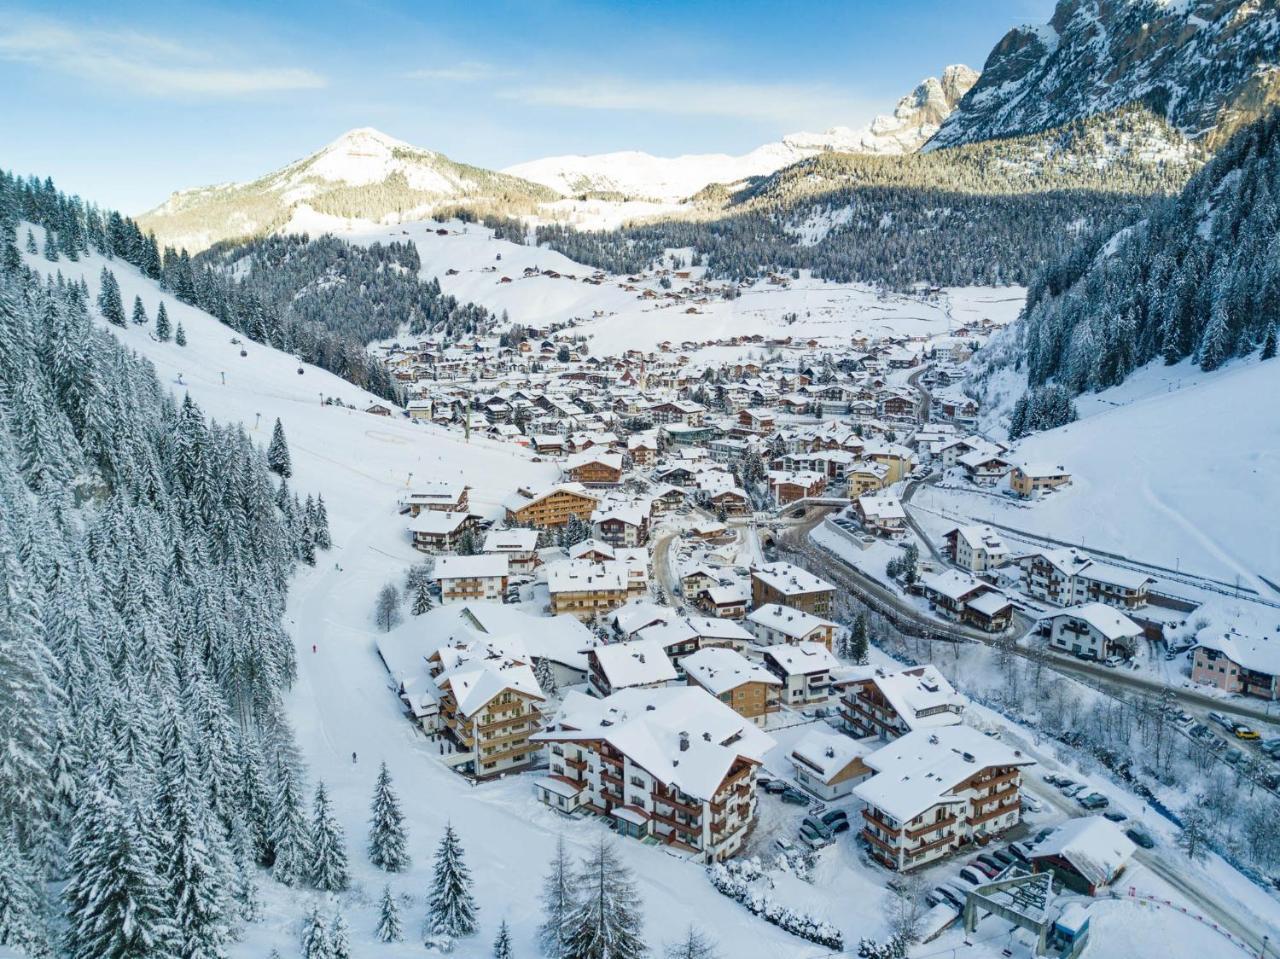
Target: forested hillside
x,y
1199,277
990,213
144,552
357,293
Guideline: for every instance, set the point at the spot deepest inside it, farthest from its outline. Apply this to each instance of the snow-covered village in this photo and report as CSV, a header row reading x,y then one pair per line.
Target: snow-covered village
x,y
858,543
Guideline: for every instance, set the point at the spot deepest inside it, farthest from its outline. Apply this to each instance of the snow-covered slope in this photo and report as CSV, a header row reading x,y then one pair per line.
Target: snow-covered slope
x,y
1208,66
1174,467
364,172
634,174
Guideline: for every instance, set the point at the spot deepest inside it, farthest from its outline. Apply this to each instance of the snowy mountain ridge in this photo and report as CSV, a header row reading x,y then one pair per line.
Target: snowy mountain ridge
x,y
363,172
1207,66
916,118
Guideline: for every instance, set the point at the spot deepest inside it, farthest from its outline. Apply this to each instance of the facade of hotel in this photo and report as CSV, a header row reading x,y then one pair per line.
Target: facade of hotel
x,y
792,586
675,765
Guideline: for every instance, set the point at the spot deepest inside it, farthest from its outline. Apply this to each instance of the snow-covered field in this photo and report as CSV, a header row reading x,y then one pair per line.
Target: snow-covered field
x,y
616,319
1174,467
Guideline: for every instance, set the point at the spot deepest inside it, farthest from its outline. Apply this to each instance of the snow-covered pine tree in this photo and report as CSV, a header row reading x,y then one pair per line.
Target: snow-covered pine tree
x,y
50,246
387,841
421,594
607,921
1215,348
388,918
31,243
545,673
315,937
109,299
502,942
289,838
22,911
163,331
116,905
694,945
559,901
328,847
323,540
1269,343
278,452
253,800
339,937
139,311
180,335
198,870
451,909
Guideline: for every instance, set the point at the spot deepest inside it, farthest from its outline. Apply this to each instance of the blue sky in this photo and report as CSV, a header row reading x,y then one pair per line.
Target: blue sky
x,y
125,102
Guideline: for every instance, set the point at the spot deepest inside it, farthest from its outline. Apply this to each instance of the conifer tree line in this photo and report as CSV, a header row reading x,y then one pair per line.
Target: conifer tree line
x,y
1198,278
331,335
144,557
990,213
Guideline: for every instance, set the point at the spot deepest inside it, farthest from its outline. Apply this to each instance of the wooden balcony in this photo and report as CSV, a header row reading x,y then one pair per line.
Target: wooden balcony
x,y
873,816
884,844
578,764
610,777
927,846
992,813
689,808
930,827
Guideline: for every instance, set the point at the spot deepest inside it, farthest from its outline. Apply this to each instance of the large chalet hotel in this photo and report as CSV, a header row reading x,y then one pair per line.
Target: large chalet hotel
x,y
672,764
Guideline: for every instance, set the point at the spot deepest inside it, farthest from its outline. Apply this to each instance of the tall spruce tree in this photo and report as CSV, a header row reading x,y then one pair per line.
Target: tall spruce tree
x,y
451,908
607,921
278,452
387,842
559,903
22,912
328,847
109,298
315,936
290,840
389,929
502,942
339,937
139,311
163,330
180,335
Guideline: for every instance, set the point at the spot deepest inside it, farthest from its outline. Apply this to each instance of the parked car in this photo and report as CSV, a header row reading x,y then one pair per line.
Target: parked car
x,y
1065,784
1019,851
1071,792
943,894
1053,780
1141,837
972,876
1233,756
1244,732
834,816
1094,801
1201,731
818,826
988,859
1221,720
982,867
794,796
1115,815
1003,856
785,845
774,786
1031,803
812,839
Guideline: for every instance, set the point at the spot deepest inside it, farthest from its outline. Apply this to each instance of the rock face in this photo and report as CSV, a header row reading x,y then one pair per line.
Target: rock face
x,y
1207,66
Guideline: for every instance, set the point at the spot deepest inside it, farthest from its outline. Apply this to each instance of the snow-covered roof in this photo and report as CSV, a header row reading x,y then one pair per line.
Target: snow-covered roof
x,y
881,505
597,546
828,753
518,501
802,658
511,541
921,769
1107,620
982,538
794,623
989,603
719,670
437,522
477,671
635,616
951,583
639,662
1094,846
789,580
481,566
581,575
650,725
1246,633
921,696
587,457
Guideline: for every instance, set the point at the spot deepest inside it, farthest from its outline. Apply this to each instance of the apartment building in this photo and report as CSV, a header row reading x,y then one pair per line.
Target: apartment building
x,y
552,507
594,468
467,578
976,548
806,670
489,704
935,791
635,664
892,704
446,496
1094,630
792,586
519,546
586,589
1067,577
1031,478
773,624
437,531
675,765
747,688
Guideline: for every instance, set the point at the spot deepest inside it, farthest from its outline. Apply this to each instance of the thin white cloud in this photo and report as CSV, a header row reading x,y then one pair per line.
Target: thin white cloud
x,y
776,103
143,63
470,71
